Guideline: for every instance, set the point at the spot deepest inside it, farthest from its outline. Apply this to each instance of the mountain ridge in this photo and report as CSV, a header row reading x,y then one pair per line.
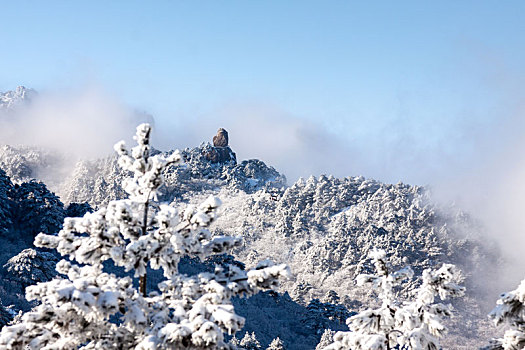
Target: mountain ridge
x,y
323,227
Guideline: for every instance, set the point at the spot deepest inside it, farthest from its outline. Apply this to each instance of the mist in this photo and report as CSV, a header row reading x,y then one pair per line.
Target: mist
x,y
489,185
83,122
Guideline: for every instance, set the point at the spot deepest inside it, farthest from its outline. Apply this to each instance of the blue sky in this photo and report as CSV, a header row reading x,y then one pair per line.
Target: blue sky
x,y
380,75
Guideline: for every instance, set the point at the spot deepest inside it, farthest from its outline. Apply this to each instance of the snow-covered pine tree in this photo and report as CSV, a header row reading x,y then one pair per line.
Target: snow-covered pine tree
x,y
250,342
234,342
92,309
276,344
30,266
15,164
326,339
413,325
37,209
510,310
78,209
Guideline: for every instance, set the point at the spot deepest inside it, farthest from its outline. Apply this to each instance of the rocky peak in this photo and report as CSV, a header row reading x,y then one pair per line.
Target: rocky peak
x,y
221,139
220,152
10,99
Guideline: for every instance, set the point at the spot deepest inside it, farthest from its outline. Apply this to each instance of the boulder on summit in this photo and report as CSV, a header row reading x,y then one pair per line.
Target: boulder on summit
x,y
221,152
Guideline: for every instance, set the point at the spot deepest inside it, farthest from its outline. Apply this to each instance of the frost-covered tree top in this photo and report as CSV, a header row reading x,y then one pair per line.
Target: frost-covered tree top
x,y
27,209
326,339
412,325
92,309
510,310
276,344
250,342
37,208
30,267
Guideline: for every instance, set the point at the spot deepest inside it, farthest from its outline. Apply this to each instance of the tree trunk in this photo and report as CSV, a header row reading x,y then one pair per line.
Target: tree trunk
x,y
143,279
142,284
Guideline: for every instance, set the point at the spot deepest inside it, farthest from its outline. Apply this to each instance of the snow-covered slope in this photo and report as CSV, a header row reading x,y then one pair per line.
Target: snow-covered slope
x,y
99,181
323,227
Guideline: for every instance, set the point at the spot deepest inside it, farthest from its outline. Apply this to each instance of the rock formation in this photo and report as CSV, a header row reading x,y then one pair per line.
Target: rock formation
x,y
221,152
221,139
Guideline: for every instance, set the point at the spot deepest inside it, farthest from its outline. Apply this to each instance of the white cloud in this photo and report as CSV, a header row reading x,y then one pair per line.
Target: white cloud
x,y
83,122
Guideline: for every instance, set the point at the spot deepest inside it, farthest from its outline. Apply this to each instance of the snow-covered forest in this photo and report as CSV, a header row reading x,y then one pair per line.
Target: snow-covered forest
x,y
192,249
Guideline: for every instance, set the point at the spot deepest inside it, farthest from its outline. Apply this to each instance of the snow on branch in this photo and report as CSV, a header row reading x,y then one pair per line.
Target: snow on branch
x,y
510,310
408,325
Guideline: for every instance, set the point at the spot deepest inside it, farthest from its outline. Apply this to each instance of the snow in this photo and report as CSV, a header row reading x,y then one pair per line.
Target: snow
x,y
510,310
11,99
414,325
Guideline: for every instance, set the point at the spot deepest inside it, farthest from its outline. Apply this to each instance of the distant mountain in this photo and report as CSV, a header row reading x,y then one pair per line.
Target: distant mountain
x,y
323,227
11,99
